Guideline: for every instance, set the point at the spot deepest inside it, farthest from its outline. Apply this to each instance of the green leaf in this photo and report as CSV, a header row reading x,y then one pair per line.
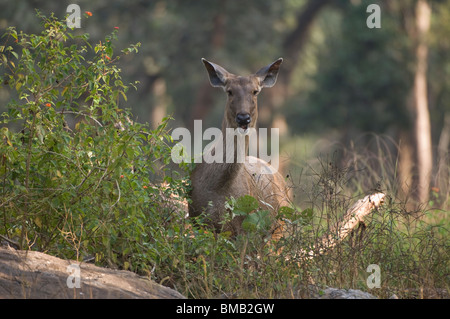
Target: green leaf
x,y
257,221
307,214
124,96
286,212
245,205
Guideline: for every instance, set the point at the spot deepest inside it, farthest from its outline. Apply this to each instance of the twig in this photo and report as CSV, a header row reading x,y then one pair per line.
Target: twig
x,y
12,242
118,198
81,113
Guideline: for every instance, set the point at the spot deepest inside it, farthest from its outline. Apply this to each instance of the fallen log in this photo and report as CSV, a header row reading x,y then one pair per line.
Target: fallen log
x,y
350,220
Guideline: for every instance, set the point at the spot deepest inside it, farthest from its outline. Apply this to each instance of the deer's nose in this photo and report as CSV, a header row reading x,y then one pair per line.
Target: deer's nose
x,y
243,119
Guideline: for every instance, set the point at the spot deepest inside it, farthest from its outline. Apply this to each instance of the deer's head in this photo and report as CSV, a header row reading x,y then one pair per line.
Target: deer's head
x,y
242,108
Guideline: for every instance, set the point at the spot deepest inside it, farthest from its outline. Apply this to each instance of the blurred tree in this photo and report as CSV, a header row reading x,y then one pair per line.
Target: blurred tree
x,y
422,115
337,73
291,50
362,75
379,80
439,93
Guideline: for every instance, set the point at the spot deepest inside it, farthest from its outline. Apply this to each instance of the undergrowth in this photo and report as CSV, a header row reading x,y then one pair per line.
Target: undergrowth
x,y
79,179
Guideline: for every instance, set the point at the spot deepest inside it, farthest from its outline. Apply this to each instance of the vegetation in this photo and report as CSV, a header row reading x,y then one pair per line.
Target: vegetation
x,y
75,169
80,178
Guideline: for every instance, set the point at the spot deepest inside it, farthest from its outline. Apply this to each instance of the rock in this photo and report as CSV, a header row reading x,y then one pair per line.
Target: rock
x,y
315,292
334,293
31,274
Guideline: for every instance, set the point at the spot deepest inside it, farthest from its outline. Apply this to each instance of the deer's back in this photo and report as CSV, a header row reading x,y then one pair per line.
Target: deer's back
x,y
255,177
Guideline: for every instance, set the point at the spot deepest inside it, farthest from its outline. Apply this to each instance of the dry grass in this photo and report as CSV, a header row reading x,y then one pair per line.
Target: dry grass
x,y
411,248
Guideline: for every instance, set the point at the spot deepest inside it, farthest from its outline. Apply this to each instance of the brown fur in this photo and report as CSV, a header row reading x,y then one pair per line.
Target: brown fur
x,y
214,183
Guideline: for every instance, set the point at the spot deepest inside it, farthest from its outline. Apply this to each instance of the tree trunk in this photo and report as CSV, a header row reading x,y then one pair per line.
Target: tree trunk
x,y
443,172
422,116
405,165
291,52
159,110
294,42
204,97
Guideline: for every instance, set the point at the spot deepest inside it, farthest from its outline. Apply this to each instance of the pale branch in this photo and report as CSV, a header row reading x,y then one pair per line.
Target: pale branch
x,y
350,220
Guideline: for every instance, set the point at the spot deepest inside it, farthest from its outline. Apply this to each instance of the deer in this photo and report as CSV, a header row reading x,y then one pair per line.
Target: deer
x,y
212,184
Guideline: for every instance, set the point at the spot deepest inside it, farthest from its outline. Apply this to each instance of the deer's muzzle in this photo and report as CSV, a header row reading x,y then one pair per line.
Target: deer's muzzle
x,y
243,120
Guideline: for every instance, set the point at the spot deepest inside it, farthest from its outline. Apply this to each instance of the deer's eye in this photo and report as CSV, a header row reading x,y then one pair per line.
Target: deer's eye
x,y
255,92
229,93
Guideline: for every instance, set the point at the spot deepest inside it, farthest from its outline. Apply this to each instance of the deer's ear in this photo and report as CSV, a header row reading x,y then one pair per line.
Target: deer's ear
x,y
217,75
268,74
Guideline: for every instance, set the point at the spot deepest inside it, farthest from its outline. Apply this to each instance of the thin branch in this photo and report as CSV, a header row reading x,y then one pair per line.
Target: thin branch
x,y
118,198
84,114
10,241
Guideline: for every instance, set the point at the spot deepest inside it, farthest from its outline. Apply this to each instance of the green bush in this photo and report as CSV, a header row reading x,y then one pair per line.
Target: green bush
x,y
75,170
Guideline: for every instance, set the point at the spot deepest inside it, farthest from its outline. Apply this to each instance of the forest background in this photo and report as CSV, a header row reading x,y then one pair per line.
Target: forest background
x,y
340,80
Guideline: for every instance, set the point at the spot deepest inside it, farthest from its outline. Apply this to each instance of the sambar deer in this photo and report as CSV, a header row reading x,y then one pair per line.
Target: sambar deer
x,y
214,183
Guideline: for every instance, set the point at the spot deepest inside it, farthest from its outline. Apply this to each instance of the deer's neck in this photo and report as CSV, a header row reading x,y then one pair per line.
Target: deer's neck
x,y
223,175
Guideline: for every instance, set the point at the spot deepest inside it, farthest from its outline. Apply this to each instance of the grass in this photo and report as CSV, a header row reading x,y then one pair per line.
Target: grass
x,y
410,249
412,255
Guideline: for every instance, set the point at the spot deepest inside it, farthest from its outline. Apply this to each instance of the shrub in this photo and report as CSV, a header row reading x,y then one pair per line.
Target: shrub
x,y
75,170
